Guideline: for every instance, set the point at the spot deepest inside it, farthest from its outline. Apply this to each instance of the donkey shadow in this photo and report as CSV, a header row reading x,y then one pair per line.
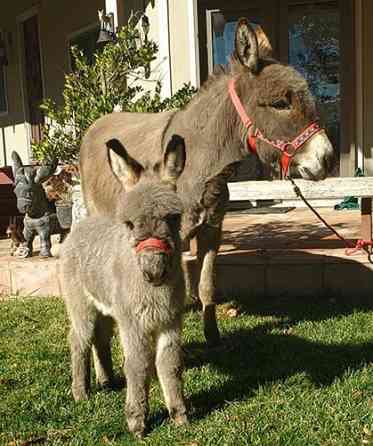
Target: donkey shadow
x,y
253,358
272,351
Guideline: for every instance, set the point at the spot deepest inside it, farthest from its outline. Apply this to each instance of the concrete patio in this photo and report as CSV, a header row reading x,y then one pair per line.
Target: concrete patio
x,y
275,254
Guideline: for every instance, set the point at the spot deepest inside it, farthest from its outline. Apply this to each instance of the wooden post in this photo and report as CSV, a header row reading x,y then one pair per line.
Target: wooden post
x,y
366,220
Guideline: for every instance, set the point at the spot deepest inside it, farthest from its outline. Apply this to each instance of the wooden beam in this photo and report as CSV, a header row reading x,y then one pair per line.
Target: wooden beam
x,y
283,190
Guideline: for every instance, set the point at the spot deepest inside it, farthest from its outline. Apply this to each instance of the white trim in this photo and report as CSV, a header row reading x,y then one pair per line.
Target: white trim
x,y
194,63
164,47
111,6
210,50
359,86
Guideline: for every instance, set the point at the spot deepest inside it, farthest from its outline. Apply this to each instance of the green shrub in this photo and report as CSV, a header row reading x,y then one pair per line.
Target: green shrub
x,y
93,90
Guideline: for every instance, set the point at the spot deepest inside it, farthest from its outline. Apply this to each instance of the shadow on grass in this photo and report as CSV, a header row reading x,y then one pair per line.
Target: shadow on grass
x,y
251,358
295,310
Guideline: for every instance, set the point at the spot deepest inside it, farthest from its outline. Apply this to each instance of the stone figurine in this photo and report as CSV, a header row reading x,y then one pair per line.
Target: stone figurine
x,y
40,218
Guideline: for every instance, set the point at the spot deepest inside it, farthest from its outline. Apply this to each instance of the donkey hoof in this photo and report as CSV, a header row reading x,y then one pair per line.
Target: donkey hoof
x,y
180,420
79,394
136,428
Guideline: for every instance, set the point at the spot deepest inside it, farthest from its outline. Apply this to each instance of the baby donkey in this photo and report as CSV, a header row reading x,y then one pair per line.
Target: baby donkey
x,y
129,271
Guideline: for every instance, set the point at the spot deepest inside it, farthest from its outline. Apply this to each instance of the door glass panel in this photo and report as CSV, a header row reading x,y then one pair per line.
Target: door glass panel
x,y
314,50
223,26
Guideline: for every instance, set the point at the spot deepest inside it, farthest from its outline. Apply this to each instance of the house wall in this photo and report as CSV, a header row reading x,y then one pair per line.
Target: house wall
x,y
174,59
57,20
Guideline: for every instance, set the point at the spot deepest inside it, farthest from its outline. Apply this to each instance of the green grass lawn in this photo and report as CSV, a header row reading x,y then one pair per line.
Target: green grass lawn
x,y
287,373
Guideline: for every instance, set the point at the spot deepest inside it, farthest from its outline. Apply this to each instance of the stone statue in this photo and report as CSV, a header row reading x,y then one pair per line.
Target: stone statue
x,y
32,201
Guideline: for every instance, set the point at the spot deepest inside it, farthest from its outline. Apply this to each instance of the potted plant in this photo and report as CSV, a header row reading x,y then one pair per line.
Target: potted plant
x,y
59,189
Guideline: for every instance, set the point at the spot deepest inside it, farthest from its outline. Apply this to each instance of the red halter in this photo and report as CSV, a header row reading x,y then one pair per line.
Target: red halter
x,y
154,243
283,146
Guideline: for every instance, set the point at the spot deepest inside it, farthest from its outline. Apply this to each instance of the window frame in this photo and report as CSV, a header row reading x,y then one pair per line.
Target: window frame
x,y
76,34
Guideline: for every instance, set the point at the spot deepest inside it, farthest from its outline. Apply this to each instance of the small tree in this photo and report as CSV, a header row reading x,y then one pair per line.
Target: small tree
x,y
93,90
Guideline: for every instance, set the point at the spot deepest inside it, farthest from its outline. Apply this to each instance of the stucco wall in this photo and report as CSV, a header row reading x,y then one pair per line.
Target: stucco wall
x,y
179,43
57,20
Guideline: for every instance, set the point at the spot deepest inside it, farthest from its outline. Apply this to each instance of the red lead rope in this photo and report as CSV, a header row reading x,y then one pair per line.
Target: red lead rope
x,y
361,245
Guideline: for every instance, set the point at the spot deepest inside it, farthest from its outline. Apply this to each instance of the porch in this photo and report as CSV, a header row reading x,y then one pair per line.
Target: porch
x,y
262,255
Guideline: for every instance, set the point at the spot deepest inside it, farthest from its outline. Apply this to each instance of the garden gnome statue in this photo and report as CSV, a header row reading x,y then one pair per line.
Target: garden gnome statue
x,y
32,201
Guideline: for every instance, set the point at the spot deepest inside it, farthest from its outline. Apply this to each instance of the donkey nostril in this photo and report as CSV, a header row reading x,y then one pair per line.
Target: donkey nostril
x,y
148,277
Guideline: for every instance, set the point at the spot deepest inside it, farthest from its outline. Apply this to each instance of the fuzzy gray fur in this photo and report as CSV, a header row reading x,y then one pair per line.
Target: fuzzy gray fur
x,y
105,280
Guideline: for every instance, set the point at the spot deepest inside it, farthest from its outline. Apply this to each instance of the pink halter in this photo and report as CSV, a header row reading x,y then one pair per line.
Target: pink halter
x,y
283,146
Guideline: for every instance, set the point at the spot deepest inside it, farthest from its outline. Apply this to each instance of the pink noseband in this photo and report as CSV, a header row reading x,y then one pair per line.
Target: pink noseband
x,y
154,243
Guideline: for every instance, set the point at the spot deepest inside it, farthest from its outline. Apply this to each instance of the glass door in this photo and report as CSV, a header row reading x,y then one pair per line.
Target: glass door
x,y
316,37
315,51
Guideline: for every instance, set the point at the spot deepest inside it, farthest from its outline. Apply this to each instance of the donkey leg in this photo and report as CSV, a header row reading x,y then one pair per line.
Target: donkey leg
x,y
138,367
80,364
102,350
169,369
82,317
208,242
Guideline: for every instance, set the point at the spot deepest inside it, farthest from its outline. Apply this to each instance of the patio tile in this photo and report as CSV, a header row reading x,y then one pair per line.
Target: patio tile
x,y
35,277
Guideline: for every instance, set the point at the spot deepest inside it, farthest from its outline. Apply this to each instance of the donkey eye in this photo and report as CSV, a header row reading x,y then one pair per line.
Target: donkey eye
x,y
129,225
281,104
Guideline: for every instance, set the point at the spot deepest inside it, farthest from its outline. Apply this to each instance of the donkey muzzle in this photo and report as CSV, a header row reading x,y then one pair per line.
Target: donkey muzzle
x,y
154,260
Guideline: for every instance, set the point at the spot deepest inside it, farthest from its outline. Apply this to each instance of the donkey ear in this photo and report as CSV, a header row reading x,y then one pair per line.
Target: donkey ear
x,y
264,45
17,162
246,45
46,171
124,167
173,160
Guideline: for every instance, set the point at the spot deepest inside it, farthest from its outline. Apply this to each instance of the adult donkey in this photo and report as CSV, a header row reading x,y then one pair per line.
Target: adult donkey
x,y
261,106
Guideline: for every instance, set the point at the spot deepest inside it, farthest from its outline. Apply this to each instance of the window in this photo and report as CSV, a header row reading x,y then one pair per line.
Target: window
x,y
3,96
86,41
